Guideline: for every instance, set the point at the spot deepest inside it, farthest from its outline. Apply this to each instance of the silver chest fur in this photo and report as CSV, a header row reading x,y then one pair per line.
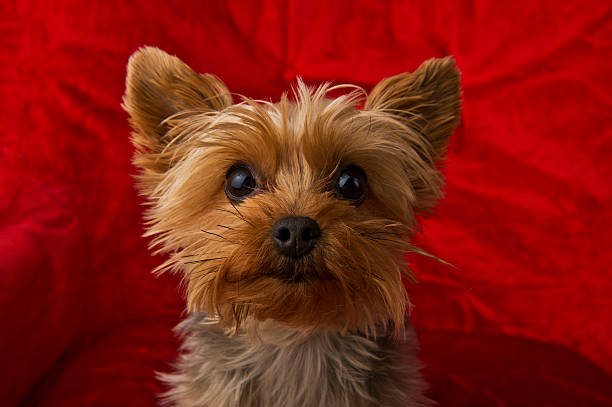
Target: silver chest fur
x,y
283,367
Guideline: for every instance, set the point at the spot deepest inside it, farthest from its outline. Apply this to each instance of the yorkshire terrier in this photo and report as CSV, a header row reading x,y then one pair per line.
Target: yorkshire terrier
x,y
289,222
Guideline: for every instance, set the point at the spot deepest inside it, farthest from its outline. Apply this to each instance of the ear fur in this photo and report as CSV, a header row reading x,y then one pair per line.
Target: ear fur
x,y
159,86
427,100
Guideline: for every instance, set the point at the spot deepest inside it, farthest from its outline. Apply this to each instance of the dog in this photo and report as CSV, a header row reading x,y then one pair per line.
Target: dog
x,y
289,222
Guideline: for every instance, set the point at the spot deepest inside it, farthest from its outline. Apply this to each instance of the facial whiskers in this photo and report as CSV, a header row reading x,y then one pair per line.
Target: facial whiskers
x,y
213,233
216,235
204,260
237,214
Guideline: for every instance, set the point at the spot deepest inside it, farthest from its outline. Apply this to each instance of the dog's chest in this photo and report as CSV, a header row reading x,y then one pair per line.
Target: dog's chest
x,y
282,369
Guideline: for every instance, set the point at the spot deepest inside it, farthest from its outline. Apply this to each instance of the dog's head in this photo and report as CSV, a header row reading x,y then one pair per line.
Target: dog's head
x,y
297,211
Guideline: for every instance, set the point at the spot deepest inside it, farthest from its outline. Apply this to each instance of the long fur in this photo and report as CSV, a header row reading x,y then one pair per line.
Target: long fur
x,y
284,367
188,134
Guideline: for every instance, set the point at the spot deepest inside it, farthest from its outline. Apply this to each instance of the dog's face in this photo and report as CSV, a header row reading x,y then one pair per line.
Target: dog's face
x,y
297,211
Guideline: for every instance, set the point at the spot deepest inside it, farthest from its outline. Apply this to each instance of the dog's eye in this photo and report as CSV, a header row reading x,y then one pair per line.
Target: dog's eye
x,y
239,183
350,184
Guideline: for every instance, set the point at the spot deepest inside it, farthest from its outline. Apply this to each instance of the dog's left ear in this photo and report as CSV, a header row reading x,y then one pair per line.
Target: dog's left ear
x,y
428,100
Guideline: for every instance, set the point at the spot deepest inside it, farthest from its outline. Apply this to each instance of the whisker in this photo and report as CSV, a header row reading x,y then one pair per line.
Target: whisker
x,y
395,241
212,233
228,211
418,250
237,214
382,232
204,272
203,253
226,227
384,225
241,215
204,260
237,210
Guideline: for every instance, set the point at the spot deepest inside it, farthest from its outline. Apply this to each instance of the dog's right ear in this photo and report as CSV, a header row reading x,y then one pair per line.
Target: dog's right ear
x,y
428,100
159,86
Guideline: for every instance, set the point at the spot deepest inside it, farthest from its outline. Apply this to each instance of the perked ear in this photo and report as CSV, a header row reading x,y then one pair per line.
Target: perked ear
x,y
429,100
159,86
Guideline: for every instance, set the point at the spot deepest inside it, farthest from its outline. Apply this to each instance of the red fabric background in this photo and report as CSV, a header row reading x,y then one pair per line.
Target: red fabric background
x,y
525,319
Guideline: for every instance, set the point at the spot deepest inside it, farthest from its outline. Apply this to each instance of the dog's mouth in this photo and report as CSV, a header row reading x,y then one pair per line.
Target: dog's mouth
x,y
294,279
294,274
300,271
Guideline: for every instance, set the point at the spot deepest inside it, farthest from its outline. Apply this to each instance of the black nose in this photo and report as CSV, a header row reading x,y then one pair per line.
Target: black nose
x,y
295,236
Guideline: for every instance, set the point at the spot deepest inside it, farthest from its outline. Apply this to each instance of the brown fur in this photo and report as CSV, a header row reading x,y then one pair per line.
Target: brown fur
x,y
188,134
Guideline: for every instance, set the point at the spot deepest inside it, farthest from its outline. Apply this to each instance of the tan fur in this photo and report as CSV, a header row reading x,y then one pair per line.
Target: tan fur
x,y
188,134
